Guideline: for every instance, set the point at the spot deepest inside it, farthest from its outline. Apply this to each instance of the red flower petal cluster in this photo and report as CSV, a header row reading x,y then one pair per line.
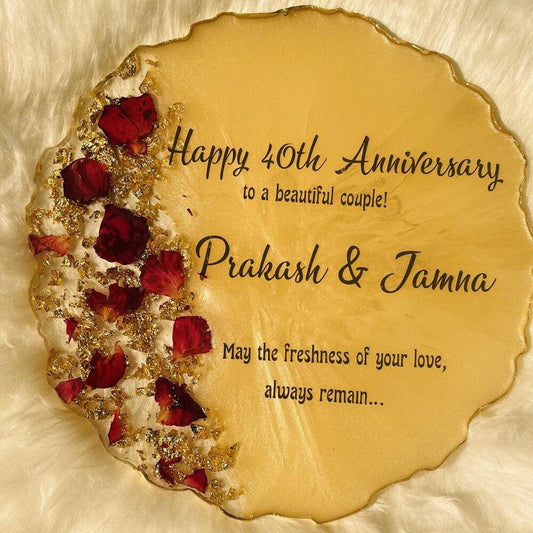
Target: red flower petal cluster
x,y
129,121
71,325
164,274
106,370
116,429
177,407
49,243
164,469
122,237
84,180
67,390
197,480
121,301
191,335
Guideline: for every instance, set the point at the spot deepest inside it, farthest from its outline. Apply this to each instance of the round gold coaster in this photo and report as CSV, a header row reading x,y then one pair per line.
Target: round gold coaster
x,y
282,261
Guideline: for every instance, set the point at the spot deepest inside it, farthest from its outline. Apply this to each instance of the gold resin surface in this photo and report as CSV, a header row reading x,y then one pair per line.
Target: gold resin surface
x,y
351,427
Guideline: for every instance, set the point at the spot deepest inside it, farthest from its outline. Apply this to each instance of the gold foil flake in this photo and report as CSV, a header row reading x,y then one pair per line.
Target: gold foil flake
x,y
145,391
169,445
88,242
94,110
152,62
175,111
93,146
63,156
69,214
61,366
164,123
45,302
146,84
217,495
142,329
56,192
85,267
198,432
124,277
172,309
194,458
91,338
137,435
101,98
106,155
85,131
148,210
156,142
142,190
56,278
119,397
150,370
35,219
219,459
129,67
136,182
52,182
68,261
96,407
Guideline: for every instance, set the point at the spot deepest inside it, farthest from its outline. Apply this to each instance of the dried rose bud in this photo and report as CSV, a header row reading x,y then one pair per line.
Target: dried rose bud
x,y
177,407
164,469
71,325
49,243
121,301
129,121
191,335
116,429
163,275
122,237
67,390
84,180
106,370
197,480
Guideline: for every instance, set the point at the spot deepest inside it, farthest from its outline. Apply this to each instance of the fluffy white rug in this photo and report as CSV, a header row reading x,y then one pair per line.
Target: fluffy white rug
x,y
55,476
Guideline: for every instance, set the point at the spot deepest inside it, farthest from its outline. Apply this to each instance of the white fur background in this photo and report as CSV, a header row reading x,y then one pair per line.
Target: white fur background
x,y
54,474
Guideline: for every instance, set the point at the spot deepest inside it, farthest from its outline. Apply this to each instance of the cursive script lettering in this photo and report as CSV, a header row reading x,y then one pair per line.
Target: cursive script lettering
x,y
214,250
211,156
423,163
435,280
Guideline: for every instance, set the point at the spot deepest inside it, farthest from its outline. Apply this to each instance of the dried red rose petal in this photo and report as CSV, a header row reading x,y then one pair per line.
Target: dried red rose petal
x,y
116,429
106,370
122,237
121,301
129,121
70,324
84,180
67,390
164,469
197,480
164,274
177,407
49,243
191,335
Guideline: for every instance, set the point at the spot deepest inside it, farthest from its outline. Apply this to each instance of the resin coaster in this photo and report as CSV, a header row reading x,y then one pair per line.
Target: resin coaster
x,y
283,261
